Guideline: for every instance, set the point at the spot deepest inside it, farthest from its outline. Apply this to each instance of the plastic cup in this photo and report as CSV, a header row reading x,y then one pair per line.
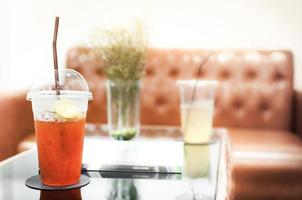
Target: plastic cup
x,y
60,126
197,106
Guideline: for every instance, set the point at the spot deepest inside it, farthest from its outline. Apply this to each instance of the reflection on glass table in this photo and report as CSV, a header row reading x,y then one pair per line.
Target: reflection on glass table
x,y
205,172
74,194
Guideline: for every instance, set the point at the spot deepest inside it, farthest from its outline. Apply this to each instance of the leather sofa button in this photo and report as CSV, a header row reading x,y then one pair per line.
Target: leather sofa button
x,y
250,74
174,72
99,71
277,76
263,107
159,101
238,108
150,72
224,75
200,73
237,104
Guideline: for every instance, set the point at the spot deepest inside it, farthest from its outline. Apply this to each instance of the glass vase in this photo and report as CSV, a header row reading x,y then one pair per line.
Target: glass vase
x,y
123,108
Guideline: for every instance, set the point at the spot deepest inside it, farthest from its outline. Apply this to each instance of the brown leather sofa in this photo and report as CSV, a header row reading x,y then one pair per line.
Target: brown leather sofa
x,y
16,122
255,100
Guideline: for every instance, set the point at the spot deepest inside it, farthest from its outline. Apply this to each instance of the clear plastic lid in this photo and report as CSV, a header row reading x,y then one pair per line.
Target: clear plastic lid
x,y
197,83
71,83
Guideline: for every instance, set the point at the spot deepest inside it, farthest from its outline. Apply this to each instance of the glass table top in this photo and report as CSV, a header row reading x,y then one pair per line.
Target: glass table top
x,y
201,167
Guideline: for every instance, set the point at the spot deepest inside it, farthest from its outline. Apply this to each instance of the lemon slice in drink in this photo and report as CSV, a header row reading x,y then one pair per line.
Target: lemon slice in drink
x,y
66,109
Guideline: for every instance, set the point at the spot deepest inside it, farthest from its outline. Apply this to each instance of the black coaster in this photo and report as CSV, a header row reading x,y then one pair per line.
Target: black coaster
x,y
34,182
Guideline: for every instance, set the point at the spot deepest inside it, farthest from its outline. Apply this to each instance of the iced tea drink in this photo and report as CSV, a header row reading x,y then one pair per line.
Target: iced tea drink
x,y
60,136
60,145
60,127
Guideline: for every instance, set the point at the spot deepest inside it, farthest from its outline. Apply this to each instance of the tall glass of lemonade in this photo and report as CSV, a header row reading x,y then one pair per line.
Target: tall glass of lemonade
x,y
60,126
197,106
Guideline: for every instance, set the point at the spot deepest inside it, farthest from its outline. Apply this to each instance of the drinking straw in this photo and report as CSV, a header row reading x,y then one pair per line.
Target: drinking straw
x,y
196,79
55,56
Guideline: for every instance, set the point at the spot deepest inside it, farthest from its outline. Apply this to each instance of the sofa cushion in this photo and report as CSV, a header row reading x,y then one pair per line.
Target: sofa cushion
x,y
267,164
244,139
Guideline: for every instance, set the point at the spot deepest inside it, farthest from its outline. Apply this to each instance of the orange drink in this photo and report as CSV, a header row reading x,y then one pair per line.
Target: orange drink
x,y
60,147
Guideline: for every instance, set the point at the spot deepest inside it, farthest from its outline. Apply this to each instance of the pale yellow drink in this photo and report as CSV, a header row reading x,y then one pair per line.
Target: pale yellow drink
x,y
196,160
196,121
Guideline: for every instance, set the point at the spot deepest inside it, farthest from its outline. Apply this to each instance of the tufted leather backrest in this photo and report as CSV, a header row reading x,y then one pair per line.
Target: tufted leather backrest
x,y
255,90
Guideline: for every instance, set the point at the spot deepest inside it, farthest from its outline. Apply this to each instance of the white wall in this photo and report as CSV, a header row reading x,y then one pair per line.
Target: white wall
x,y
27,28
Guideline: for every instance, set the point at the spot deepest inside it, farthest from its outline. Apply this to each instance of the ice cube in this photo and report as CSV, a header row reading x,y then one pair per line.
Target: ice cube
x,y
48,116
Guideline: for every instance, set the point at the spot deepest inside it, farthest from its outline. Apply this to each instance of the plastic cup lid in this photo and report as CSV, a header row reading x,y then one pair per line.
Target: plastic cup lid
x,y
72,85
194,82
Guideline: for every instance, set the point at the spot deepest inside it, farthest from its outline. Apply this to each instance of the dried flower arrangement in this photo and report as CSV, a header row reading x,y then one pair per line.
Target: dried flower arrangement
x,y
123,52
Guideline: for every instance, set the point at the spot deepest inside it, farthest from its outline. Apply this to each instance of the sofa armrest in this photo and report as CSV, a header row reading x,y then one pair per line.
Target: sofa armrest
x,y
297,111
16,120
